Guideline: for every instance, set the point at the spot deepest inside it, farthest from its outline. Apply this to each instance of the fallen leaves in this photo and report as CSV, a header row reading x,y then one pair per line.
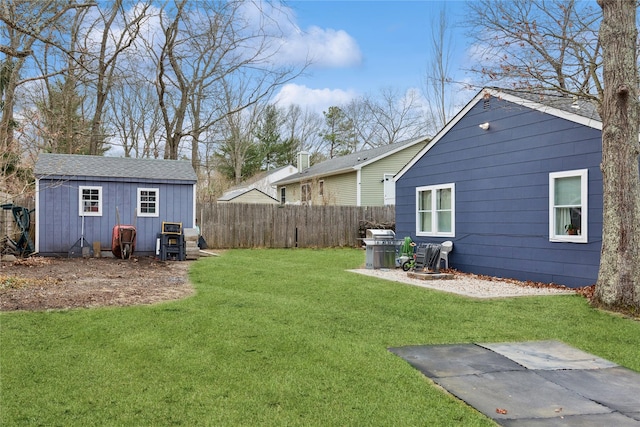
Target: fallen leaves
x,y
585,291
14,282
39,283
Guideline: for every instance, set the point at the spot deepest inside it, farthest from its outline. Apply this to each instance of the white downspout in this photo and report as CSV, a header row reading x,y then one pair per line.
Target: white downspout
x,y
358,187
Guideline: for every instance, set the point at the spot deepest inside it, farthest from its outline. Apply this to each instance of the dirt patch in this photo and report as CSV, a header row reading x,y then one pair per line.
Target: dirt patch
x,y
59,283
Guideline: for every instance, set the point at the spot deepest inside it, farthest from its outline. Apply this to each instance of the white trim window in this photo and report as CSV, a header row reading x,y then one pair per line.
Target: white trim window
x,y
435,210
305,193
90,201
148,202
568,208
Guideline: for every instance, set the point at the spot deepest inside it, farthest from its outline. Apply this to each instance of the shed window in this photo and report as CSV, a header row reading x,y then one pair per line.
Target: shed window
x,y
435,210
148,201
90,201
283,195
568,206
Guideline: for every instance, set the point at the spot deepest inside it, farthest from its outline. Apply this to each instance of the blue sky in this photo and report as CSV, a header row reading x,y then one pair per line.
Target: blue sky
x,y
363,46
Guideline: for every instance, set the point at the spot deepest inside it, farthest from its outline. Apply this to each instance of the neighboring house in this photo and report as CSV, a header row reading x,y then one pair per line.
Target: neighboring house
x,y
364,178
80,196
262,181
247,195
506,180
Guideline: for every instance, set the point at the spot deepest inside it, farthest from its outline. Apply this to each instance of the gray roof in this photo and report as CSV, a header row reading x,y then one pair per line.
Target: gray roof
x,y
349,162
578,106
230,195
255,178
549,102
69,165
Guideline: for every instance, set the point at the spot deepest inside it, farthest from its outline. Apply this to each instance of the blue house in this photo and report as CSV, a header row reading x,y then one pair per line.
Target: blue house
x,y
81,197
514,181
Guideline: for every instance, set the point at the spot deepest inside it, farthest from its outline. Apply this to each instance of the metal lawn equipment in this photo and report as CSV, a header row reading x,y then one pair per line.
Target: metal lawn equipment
x,y
426,258
407,254
24,246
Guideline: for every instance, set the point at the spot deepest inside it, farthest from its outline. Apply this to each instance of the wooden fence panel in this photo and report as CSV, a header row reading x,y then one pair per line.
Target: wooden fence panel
x,y
235,225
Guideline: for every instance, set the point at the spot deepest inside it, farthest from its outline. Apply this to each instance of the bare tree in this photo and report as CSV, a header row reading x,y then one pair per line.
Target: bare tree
x,y
135,117
303,126
26,24
103,61
209,47
618,283
237,151
391,117
538,44
438,85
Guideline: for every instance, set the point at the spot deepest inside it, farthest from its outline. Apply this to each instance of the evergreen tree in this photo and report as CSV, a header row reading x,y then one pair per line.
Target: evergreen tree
x,y
339,132
276,152
65,130
268,136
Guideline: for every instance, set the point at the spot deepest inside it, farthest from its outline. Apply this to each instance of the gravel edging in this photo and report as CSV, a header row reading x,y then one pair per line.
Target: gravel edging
x,y
470,285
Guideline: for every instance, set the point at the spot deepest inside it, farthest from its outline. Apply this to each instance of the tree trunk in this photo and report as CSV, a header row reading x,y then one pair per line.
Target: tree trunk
x,y
618,285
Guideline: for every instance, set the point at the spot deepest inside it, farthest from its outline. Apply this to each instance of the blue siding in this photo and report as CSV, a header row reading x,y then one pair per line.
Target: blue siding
x,y
502,193
60,226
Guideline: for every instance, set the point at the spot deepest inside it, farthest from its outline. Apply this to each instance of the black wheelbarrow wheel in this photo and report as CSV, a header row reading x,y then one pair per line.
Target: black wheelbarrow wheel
x,y
126,251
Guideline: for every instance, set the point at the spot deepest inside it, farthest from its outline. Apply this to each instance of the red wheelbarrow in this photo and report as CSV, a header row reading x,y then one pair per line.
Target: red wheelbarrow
x,y
123,241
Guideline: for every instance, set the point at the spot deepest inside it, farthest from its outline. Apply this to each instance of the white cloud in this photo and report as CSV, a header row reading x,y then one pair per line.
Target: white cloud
x,y
314,99
324,47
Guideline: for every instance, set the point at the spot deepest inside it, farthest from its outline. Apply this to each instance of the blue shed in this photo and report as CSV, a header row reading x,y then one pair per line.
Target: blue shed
x,y
79,196
514,182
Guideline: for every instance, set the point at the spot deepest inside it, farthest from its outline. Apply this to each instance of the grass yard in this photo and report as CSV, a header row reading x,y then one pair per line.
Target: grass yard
x,y
273,338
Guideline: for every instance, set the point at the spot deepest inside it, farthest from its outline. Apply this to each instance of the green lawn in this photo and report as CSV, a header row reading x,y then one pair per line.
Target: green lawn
x,y
273,337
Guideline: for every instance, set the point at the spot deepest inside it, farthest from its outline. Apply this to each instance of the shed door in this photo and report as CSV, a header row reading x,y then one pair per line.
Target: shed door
x,y
389,189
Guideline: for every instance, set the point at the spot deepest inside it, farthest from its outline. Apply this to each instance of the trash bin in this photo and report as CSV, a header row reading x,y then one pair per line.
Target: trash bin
x,y
381,248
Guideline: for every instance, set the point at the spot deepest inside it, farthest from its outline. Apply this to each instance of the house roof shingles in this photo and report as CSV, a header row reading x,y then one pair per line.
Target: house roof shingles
x,y
578,106
230,195
346,163
113,167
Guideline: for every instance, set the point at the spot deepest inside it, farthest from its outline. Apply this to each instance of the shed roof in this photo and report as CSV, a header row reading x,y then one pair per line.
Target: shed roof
x,y
350,162
108,167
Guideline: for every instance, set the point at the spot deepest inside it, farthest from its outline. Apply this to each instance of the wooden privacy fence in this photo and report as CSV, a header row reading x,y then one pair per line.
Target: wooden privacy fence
x,y
235,225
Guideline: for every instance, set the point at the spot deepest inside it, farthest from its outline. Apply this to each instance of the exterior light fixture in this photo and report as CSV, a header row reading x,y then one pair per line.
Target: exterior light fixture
x,y
484,126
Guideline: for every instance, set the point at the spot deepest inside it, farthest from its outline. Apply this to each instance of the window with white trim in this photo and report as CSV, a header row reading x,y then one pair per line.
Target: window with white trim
x,y
435,210
568,206
90,201
305,192
283,195
148,200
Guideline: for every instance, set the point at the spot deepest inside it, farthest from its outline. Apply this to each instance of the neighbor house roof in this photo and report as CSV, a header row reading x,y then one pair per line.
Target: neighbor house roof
x,y
576,110
348,163
230,195
247,184
70,165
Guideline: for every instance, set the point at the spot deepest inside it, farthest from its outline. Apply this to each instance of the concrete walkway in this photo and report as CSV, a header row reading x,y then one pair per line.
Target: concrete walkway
x,y
541,383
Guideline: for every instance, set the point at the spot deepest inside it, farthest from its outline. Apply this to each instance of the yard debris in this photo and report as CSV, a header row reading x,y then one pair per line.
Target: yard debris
x,y
39,283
